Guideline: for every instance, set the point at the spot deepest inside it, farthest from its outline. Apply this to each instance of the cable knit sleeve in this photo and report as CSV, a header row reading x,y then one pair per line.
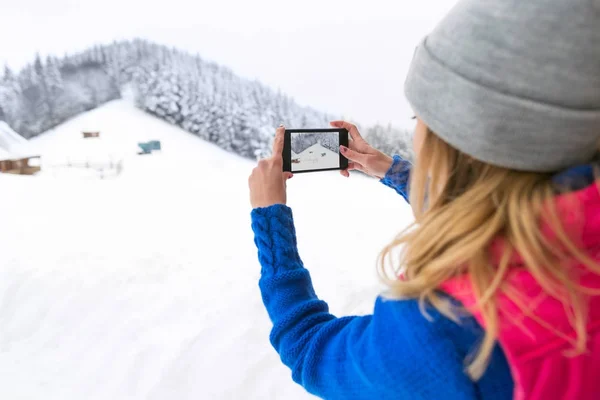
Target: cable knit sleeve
x,y
393,354
398,176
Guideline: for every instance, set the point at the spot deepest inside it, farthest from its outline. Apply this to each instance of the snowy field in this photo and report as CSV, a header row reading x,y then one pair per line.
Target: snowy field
x,y
144,286
315,157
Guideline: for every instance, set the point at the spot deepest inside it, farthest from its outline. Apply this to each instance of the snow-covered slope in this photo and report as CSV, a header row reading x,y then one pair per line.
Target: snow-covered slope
x,y
11,143
315,157
145,286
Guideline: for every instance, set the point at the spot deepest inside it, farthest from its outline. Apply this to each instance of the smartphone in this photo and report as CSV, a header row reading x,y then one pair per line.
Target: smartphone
x,y
310,150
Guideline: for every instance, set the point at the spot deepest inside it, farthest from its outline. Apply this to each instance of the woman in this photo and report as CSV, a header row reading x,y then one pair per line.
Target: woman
x,y
497,294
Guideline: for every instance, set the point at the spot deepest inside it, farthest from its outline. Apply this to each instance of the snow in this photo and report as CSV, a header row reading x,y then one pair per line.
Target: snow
x,y
315,157
11,143
145,286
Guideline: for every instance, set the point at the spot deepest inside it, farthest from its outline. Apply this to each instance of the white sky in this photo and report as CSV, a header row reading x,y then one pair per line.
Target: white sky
x,y
345,57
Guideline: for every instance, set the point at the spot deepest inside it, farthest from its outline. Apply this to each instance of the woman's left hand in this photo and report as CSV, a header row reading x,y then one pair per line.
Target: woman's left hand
x,y
268,181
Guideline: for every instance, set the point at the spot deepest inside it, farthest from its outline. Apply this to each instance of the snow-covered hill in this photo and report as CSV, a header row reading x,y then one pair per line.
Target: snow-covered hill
x,y
145,286
11,143
315,157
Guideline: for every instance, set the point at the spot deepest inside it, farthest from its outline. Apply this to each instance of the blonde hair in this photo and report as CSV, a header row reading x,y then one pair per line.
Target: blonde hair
x,y
461,205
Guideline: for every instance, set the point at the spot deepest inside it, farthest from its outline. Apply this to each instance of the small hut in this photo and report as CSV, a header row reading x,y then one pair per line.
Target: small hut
x,y
90,134
20,166
149,147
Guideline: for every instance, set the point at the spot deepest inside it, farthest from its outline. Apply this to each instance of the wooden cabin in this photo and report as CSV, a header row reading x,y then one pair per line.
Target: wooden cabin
x,y
20,166
90,134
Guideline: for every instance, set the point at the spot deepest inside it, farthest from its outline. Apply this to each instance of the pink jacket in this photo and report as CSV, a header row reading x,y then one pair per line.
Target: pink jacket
x,y
540,368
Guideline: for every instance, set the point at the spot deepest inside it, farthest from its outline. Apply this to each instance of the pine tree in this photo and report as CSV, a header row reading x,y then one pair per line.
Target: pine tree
x,y
8,74
9,97
52,75
38,66
34,111
53,85
114,64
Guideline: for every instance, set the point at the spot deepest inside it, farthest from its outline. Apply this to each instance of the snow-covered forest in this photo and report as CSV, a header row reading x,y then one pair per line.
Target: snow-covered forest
x,y
202,97
302,141
390,140
47,92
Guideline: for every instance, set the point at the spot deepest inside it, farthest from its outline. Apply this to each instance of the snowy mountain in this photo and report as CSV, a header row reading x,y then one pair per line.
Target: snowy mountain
x,y
145,286
202,97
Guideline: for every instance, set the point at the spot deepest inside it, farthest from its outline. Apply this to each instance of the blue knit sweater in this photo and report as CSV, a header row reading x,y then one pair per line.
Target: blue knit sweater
x,y
395,353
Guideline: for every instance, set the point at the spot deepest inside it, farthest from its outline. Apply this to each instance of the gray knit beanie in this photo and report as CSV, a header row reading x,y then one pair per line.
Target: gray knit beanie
x,y
514,83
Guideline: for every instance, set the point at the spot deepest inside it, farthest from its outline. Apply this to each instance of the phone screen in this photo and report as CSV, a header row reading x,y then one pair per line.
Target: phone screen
x,y
314,150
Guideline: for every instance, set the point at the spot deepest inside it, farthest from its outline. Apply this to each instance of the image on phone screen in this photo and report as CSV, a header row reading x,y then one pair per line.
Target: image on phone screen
x,y
314,150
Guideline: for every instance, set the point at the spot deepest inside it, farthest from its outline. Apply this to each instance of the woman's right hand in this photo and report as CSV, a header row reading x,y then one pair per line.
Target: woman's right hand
x,y
361,156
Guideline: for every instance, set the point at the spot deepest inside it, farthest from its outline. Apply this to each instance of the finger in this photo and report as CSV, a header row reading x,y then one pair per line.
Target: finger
x,y
352,165
287,175
344,172
352,145
278,142
353,155
252,176
351,128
